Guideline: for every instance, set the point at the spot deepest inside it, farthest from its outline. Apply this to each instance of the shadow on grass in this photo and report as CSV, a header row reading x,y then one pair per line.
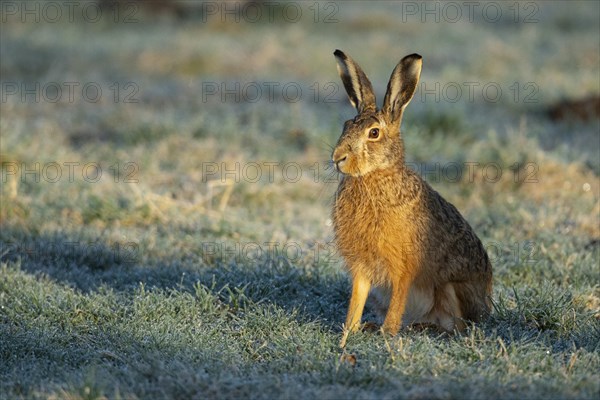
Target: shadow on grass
x,y
113,363
89,344
317,293
314,293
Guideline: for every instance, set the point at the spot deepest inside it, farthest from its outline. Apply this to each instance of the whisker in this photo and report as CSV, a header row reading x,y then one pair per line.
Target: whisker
x,y
330,177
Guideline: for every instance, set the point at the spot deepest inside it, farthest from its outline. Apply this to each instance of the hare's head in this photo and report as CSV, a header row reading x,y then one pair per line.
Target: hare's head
x,y
371,141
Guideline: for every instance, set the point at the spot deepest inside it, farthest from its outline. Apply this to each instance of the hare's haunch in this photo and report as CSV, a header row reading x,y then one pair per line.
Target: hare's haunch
x,y
397,235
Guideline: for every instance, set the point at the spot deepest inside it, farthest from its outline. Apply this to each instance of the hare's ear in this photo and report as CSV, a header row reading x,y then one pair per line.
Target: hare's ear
x,y
402,86
358,86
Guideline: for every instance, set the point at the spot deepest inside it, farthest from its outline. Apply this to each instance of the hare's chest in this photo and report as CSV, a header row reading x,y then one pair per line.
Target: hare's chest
x,y
380,245
372,228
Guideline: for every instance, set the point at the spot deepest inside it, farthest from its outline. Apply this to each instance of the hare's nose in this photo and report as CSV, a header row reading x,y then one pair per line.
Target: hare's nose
x,y
339,161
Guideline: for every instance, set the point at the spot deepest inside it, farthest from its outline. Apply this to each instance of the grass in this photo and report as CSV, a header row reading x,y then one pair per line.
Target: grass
x,y
163,279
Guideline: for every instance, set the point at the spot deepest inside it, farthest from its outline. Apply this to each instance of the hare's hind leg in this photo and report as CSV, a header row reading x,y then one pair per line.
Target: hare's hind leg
x,y
447,310
419,303
474,298
418,306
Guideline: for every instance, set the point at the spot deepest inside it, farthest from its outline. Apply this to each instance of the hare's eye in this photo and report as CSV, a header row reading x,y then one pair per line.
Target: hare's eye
x,y
374,133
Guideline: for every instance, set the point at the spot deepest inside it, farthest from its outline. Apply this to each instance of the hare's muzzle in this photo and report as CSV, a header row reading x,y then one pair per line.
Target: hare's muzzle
x,y
339,159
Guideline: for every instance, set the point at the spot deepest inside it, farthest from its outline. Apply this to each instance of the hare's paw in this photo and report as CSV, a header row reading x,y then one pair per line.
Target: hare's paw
x,y
370,327
429,327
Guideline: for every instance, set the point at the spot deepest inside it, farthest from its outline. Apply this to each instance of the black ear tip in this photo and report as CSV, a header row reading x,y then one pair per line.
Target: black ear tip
x,y
411,58
339,53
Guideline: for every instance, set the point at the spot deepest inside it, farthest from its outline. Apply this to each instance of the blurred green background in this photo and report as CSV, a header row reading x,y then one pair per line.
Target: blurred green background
x,y
166,194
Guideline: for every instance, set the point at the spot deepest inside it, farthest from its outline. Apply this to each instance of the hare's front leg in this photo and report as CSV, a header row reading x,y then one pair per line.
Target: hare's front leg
x,y
399,294
360,291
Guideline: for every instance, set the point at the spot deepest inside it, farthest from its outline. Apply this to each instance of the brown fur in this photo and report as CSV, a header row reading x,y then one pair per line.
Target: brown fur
x,y
395,232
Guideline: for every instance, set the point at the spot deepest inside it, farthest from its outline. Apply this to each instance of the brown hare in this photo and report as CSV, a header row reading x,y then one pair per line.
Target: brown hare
x,y
396,234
